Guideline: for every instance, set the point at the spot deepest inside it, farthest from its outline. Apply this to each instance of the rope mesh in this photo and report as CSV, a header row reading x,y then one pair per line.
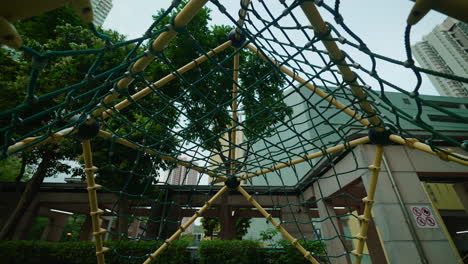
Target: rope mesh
x,y
189,121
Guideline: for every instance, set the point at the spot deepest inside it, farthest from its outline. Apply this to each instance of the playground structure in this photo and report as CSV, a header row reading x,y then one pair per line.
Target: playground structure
x,y
335,81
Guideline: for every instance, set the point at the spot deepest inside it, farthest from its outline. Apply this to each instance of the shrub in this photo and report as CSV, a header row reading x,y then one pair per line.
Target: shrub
x,y
37,252
291,255
229,252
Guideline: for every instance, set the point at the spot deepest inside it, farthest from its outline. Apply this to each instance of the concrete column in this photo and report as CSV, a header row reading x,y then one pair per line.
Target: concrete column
x,y
296,219
86,229
228,224
374,246
26,222
331,230
462,192
394,220
171,221
54,230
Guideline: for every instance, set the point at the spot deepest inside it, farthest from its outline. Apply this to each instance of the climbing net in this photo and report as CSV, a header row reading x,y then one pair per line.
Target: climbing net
x,y
256,120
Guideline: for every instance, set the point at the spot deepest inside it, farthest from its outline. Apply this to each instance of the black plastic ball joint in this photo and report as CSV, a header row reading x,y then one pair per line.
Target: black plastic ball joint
x,y
380,137
232,183
86,131
237,38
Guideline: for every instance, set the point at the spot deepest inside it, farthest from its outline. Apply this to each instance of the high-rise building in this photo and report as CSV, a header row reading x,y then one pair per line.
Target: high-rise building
x,y
445,49
182,175
101,9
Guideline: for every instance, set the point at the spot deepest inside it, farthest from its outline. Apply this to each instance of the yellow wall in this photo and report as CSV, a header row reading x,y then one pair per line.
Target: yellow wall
x,y
443,196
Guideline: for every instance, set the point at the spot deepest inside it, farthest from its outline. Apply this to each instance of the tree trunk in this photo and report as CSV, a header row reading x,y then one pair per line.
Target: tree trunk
x,y
28,195
124,214
23,168
152,228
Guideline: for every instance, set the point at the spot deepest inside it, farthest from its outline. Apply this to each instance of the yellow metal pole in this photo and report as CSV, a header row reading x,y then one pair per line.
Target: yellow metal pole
x,y
332,100
95,212
181,20
197,214
337,55
414,143
278,226
352,143
108,112
161,82
235,119
454,8
369,200
131,145
55,136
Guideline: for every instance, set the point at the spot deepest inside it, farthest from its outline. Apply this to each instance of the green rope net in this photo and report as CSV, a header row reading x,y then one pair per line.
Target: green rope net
x,y
179,135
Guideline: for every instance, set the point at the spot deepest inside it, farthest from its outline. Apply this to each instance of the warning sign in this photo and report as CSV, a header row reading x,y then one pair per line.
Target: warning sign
x,y
423,217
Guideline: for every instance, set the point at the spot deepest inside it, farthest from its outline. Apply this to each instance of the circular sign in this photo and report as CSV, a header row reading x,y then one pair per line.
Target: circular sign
x,y
430,221
416,211
421,221
426,211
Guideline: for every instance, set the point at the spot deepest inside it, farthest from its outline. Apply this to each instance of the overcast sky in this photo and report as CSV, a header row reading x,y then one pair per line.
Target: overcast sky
x,y
380,23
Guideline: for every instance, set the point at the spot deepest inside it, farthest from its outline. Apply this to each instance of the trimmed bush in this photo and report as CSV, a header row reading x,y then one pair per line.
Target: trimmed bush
x,y
229,252
39,252
291,255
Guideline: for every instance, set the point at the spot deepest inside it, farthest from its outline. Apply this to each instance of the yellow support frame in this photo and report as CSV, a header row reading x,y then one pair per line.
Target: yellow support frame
x,y
414,143
368,201
332,100
179,231
163,81
318,154
336,55
235,119
456,8
95,212
278,226
181,20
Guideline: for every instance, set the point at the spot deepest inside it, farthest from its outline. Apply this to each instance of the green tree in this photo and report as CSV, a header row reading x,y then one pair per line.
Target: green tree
x,y
58,30
211,225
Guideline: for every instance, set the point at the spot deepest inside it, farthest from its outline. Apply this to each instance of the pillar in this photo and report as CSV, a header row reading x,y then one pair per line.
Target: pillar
x,y
330,228
54,230
227,221
297,220
462,191
86,229
403,240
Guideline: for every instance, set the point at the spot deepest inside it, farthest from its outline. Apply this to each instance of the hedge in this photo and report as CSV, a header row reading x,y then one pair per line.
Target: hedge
x,y
39,252
210,251
249,252
229,252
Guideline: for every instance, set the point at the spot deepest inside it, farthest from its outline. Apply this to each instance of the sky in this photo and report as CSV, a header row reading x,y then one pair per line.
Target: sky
x,y
380,23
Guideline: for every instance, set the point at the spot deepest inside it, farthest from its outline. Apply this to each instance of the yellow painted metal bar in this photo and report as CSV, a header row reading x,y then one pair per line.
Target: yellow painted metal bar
x,y
235,119
140,94
278,226
369,201
454,8
337,55
414,143
336,148
181,20
332,100
12,11
95,212
129,144
192,219
55,136
126,102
